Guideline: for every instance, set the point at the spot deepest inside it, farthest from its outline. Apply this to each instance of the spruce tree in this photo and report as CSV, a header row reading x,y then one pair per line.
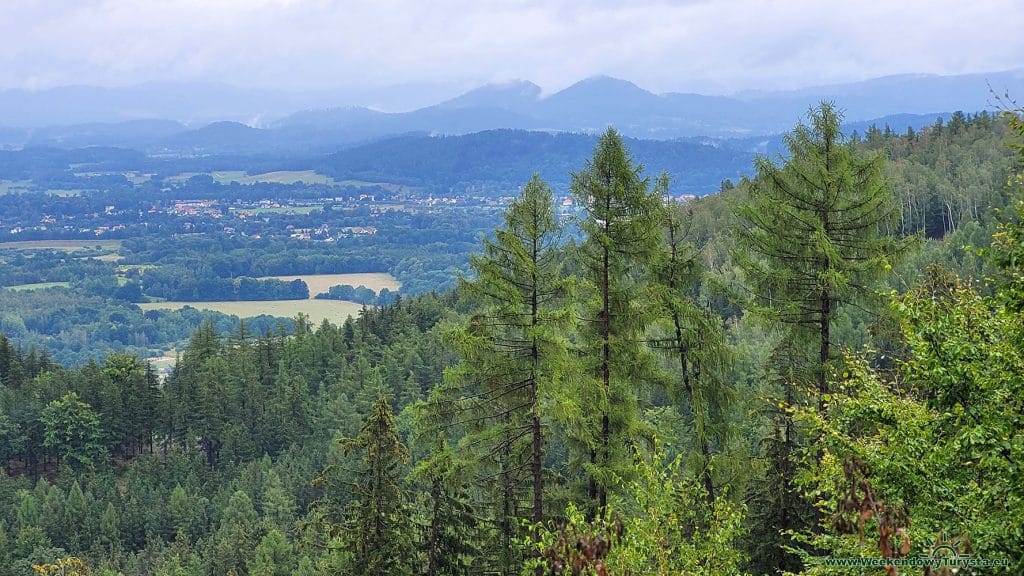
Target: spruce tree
x,y
621,220
377,524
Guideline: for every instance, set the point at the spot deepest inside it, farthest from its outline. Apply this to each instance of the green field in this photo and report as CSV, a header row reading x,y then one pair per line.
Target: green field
x,y
281,177
66,245
278,210
37,286
107,257
365,184
286,177
321,283
15,186
335,311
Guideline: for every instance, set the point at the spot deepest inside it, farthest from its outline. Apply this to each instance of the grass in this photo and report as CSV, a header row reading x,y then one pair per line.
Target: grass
x,y
334,311
294,176
66,245
37,286
278,210
321,283
165,362
123,268
280,177
107,257
14,186
365,184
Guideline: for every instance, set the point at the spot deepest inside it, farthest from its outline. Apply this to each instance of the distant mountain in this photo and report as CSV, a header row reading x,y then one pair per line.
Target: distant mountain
x,y
595,103
585,107
907,93
130,134
196,103
518,96
183,102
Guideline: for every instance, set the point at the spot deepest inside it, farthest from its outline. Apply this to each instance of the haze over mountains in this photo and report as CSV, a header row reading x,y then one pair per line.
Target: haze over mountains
x,y
214,118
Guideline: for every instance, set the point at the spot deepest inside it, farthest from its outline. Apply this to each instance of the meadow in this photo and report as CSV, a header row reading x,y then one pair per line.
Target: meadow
x,y
334,311
66,245
37,286
321,283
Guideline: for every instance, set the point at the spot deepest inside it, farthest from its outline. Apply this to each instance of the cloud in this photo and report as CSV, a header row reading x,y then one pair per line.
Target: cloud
x,y
693,45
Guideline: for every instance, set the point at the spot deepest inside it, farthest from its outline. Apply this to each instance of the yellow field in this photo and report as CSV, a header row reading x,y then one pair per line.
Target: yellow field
x,y
321,283
109,257
334,311
37,286
68,245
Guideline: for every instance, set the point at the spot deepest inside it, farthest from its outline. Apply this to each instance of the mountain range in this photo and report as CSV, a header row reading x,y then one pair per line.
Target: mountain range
x,y
174,119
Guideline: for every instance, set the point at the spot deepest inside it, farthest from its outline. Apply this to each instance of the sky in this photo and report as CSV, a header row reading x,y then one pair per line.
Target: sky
x,y
705,46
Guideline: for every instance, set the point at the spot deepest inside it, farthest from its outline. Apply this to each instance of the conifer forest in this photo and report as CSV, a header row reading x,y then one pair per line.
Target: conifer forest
x,y
822,362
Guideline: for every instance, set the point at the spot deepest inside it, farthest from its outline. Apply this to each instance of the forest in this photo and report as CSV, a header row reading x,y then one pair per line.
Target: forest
x,y
817,370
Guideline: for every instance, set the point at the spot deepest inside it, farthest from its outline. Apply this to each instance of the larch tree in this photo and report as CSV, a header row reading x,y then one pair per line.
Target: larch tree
x,y
810,239
693,338
621,219
513,356
812,234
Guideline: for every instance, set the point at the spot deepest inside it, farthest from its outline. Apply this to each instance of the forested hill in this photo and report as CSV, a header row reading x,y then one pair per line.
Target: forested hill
x,y
807,366
501,160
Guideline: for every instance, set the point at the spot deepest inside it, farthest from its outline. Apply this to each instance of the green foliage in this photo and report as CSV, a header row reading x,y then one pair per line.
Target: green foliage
x,y
273,556
813,230
511,383
942,440
622,222
934,448
377,525
693,340
668,529
72,428
213,465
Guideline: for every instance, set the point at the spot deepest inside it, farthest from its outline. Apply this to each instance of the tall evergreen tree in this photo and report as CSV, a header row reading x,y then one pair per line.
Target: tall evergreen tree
x,y
694,340
377,523
812,234
514,356
810,238
621,219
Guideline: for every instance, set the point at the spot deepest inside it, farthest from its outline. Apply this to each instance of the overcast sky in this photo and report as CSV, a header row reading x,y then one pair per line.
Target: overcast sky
x,y
712,46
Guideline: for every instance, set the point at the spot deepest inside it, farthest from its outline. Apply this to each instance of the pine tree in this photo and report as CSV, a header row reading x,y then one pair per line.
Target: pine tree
x,y
273,556
108,537
450,533
621,220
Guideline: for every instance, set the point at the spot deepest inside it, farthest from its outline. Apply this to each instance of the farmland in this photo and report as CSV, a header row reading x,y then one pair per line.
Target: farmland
x,y
66,245
334,311
38,286
321,283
